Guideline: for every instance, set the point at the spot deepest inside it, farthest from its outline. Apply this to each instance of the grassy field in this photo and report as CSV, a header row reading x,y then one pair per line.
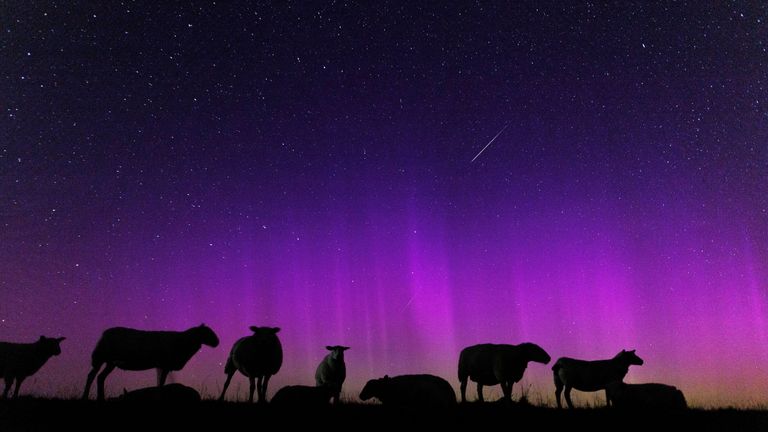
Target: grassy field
x,y
32,414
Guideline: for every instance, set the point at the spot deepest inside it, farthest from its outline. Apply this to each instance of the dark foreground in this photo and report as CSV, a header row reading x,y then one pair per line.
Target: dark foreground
x,y
62,415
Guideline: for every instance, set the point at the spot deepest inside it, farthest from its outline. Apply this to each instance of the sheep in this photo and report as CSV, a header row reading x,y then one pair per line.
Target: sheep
x,y
591,375
332,371
644,396
257,356
491,364
167,394
20,360
137,350
415,391
305,396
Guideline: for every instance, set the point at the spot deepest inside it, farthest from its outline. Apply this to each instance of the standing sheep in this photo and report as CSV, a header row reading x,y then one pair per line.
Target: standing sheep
x,y
414,391
592,375
645,396
257,356
332,371
137,350
491,364
20,360
303,396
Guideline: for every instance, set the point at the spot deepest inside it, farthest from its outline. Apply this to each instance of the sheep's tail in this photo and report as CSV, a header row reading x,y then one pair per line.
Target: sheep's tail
x,y
97,357
556,367
463,372
230,367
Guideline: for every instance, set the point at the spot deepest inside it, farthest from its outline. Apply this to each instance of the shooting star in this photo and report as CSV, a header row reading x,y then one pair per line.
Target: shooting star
x,y
489,143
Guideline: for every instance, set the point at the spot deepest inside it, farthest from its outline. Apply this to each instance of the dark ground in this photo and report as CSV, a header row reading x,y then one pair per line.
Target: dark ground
x,y
29,414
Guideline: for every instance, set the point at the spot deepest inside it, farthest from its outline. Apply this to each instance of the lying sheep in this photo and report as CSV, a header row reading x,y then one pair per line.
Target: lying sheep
x,y
332,371
417,391
167,394
644,396
137,350
306,396
20,360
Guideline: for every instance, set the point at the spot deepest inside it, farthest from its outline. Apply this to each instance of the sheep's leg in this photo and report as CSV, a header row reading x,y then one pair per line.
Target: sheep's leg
x,y
18,384
480,392
263,388
100,381
252,381
89,381
558,390
226,385
464,391
8,383
607,399
162,375
506,388
568,396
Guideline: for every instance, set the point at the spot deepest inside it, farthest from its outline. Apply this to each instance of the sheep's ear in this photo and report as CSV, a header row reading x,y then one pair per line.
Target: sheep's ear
x,y
329,348
253,329
633,351
274,329
60,339
202,324
42,338
344,348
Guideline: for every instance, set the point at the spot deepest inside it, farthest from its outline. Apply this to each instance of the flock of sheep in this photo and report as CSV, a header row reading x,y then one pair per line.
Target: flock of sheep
x,y
259,356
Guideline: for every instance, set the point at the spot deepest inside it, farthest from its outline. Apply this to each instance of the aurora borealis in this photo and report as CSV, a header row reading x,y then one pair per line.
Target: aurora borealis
x,y
308,166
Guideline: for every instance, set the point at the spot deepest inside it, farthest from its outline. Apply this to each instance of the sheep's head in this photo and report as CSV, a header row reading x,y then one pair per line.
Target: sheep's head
x,y
264,331
535,353
629,357
337,351
373,388
206,336
50,346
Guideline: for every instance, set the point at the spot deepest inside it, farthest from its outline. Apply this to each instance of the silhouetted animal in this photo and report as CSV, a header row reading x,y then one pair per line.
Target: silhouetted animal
x,y
416,391
332,371
491,364
257,356
20,360
590,375
167,394
305,396
645,396
136,350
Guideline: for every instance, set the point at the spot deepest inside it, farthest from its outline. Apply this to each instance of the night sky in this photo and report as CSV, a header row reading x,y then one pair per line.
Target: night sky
x,y
309,166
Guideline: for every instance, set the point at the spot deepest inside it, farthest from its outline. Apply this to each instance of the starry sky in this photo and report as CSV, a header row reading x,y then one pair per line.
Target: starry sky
x,y
308,165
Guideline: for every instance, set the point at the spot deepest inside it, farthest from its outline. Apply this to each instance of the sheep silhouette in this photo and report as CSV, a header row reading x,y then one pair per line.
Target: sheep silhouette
x,y
410,391
592,375
258,356
168,394
137,350
21,360
303,396
645,396
491,364
332,371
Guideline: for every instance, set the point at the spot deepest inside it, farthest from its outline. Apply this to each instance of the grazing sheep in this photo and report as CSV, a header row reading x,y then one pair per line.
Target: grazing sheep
x,y
332,371
137,350
645,396
414,391
257,356
591,375
167,394
491,364
305,396
20,360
